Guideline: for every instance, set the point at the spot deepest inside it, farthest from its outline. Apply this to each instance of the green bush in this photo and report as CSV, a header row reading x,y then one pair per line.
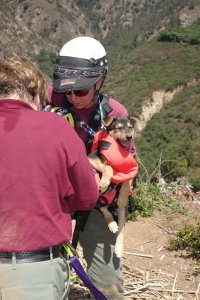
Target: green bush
x,y
195,182
189,35
148,198
187,238
46,62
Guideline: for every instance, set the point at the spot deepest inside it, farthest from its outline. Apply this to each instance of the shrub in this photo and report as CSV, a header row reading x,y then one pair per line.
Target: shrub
x,y
195,182
190,35
148,198
45,61
187,238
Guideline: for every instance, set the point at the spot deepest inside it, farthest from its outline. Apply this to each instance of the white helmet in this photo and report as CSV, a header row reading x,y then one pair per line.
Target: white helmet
x,y
79,65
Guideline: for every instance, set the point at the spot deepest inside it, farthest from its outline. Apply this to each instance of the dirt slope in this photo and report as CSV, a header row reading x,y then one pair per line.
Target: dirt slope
x,y
172,275
151,271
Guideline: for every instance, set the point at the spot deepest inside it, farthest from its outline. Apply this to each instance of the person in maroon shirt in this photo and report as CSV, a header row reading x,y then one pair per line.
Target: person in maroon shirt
x,y
45,176
79,73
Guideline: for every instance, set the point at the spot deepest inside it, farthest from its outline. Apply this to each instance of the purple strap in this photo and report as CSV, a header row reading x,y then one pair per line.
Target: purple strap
x,y
85,279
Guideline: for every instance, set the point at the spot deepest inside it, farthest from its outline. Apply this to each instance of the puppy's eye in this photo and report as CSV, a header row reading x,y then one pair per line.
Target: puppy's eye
x,y
118,129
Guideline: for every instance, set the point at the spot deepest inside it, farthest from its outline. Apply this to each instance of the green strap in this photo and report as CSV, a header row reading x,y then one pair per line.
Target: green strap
x,y
68,250
70,254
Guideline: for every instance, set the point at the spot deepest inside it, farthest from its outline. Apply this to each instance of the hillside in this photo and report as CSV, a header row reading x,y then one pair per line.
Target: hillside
x,y
144,74
31,26
173,136
150,67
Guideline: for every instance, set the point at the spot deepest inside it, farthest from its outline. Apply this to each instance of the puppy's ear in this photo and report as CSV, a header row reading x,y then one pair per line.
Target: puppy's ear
x,y
135,118
108,120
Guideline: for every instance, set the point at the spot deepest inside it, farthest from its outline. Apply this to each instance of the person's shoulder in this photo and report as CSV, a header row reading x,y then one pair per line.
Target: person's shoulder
x,y
59,127
53,120
118,109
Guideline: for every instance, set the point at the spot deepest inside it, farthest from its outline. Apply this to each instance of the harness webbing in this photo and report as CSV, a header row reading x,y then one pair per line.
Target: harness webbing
x,y
82,124
86,127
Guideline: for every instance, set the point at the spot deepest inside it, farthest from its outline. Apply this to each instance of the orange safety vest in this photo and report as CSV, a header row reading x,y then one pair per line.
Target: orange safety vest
x,y
123,163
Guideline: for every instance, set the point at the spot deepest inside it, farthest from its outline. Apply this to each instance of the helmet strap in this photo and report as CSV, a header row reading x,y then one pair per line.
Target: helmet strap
x,y
99,83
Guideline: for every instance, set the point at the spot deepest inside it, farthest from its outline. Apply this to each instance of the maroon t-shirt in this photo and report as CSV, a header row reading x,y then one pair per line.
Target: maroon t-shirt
x,y
44,176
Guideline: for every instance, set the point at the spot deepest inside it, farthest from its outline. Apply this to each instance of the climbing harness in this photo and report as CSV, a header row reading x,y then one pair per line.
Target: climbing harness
x,y
65,110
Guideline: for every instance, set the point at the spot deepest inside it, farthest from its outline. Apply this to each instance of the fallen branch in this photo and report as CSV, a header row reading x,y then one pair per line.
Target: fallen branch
x,y
197,291
169,232
173,287
144,287
145,243
138,254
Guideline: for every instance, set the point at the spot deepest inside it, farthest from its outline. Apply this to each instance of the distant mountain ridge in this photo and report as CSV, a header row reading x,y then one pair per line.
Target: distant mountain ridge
x,y
29,26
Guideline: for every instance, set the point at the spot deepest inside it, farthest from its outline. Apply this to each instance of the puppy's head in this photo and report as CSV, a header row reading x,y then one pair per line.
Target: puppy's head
x,y
120,128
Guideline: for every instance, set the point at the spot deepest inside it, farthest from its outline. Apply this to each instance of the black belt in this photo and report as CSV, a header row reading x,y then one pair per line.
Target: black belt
x,y
30,256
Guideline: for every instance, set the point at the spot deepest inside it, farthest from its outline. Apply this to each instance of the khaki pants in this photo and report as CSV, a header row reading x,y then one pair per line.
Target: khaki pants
x,y
104,268
45,280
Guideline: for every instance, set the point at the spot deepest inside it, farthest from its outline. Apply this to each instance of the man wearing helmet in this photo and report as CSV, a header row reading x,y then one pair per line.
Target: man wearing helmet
x,y
79,73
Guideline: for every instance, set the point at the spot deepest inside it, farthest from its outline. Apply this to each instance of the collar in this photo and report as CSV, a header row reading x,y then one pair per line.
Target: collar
x,y
13,104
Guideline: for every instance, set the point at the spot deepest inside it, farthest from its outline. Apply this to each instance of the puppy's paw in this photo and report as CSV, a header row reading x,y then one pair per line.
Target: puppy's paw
x,y
104,183
113,227
118,250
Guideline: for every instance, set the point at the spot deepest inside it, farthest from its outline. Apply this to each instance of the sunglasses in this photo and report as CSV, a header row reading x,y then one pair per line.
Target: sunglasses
x,y
80,93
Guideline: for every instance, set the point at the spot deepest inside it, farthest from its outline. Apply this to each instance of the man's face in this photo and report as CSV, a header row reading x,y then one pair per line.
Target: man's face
x,y
81,99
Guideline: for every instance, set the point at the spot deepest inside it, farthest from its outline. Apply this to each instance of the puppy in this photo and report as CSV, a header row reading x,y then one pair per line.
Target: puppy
x,y
113,157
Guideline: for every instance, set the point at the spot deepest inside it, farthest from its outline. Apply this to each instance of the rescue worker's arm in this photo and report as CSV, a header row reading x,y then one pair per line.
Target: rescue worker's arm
x,y
84,185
